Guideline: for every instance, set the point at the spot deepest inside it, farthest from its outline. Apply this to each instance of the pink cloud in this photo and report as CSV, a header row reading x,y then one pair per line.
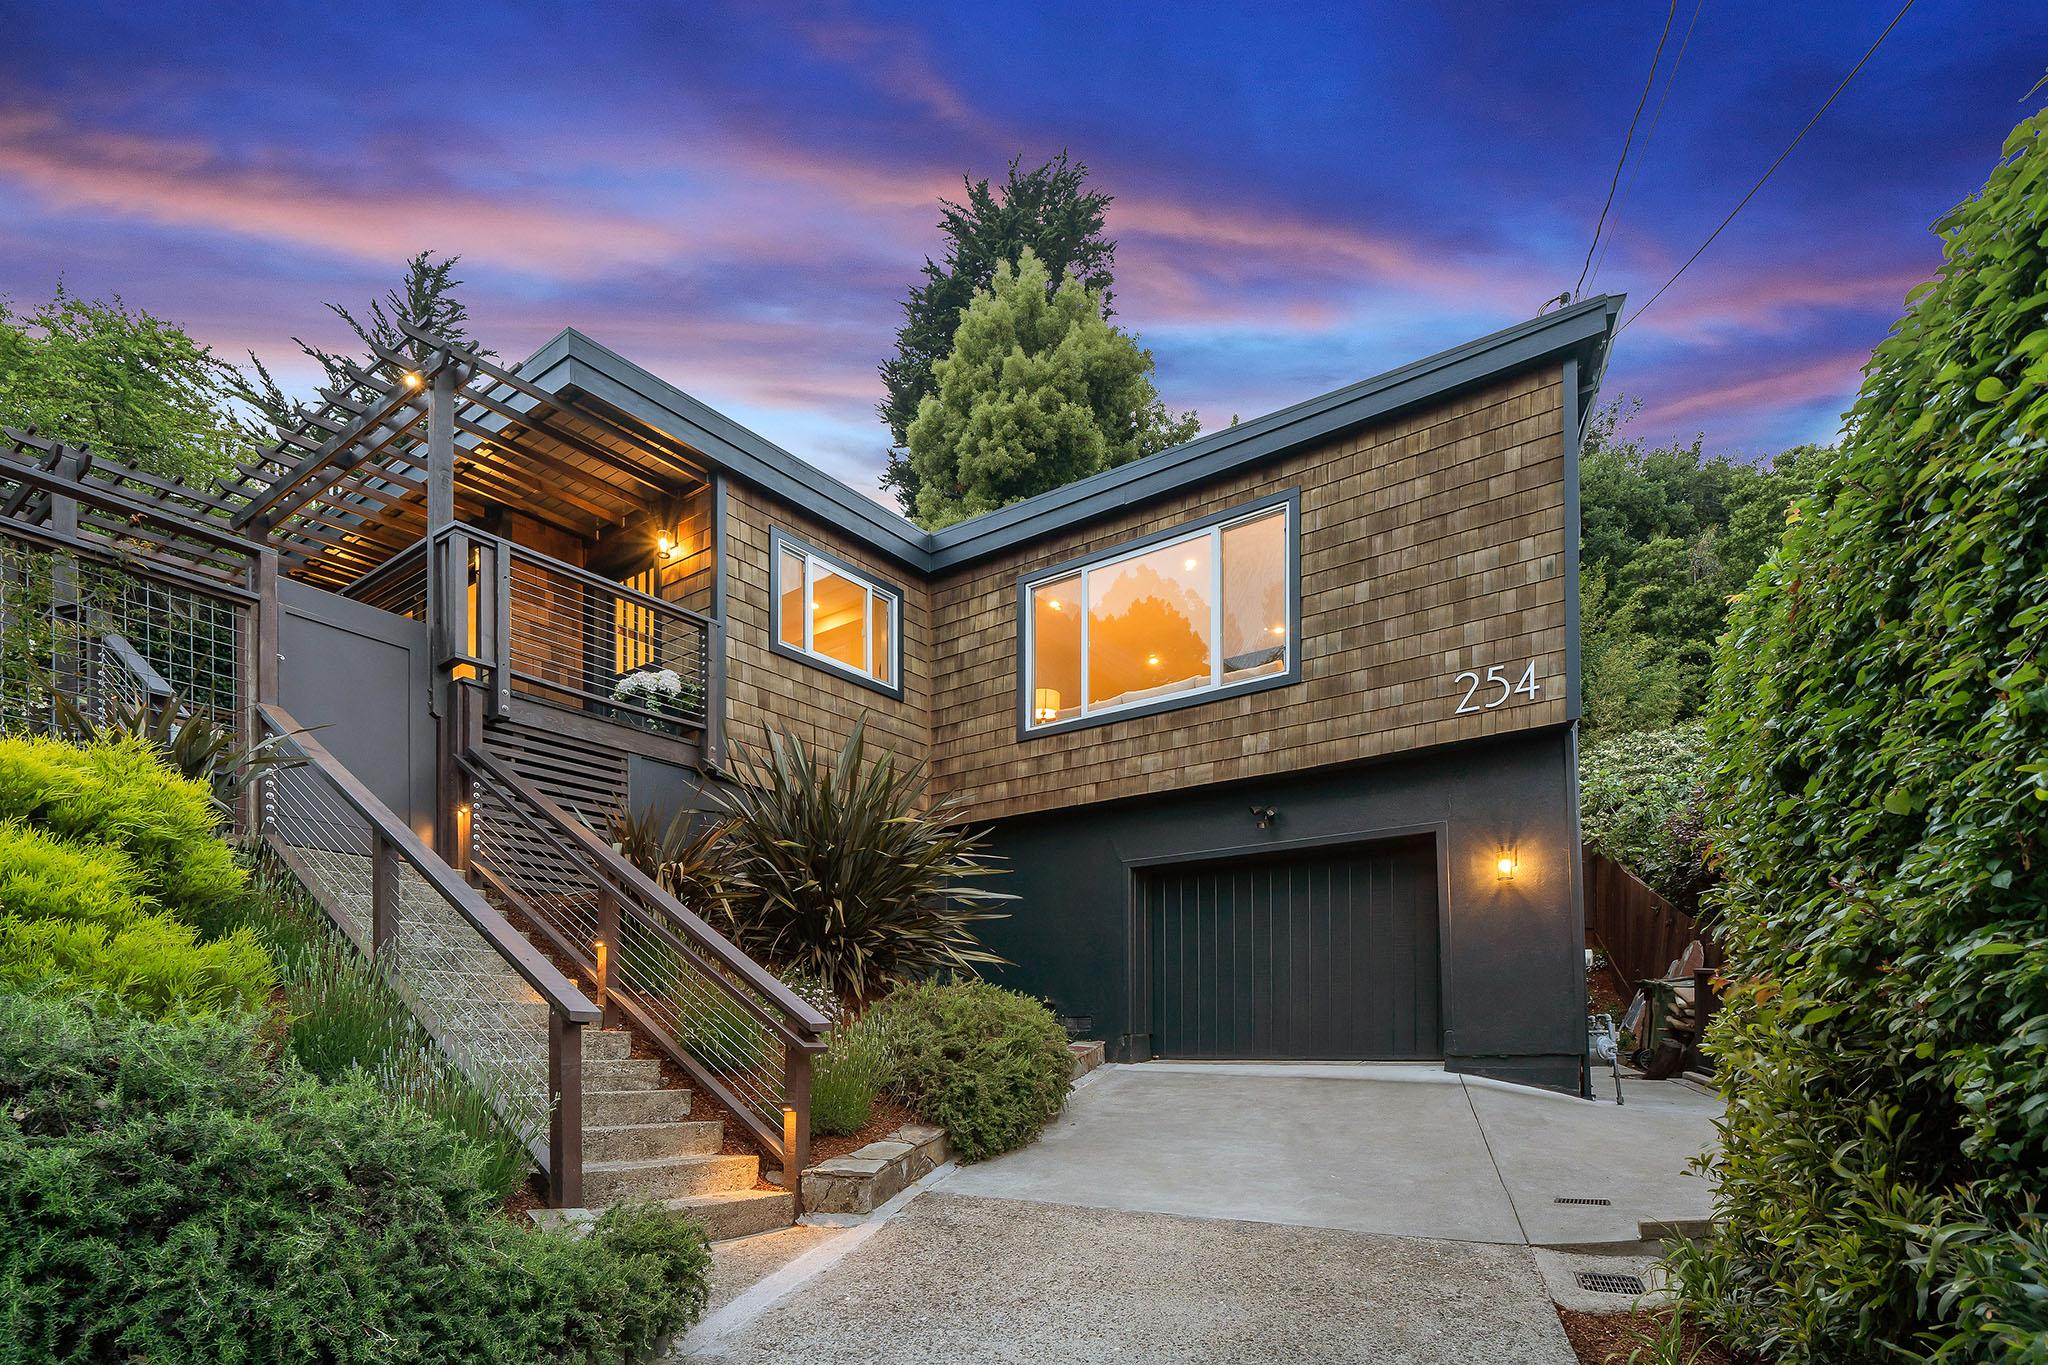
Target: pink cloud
x,y
1835,376
186,184
1774,298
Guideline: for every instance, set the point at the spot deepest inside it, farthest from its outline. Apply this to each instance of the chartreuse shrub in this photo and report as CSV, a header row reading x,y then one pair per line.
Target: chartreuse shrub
x,y
120,793
1880,809
170,1193
988,1065
74,917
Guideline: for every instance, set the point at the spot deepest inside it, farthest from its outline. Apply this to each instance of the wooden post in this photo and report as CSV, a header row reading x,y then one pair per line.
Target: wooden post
x,y
383,895
608,936
713,748
259,663
565,1111
796,1122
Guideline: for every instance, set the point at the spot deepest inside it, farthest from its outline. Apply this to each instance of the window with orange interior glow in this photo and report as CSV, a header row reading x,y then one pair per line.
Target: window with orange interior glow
x,y
1202,611
828,612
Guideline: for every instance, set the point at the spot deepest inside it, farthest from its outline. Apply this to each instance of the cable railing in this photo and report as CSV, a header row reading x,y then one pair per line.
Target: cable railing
x,y
742,1035
498,1011
578,639
398,585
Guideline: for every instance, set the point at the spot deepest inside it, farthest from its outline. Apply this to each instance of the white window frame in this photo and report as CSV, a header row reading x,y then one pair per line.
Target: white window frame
x,y
1090,713
813,563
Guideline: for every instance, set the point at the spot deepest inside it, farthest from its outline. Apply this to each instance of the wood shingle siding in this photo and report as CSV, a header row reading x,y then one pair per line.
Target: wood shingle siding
x,y
818,705
1430,545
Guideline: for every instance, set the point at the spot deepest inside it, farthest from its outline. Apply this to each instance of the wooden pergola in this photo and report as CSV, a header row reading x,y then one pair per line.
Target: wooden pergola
x,y
420,441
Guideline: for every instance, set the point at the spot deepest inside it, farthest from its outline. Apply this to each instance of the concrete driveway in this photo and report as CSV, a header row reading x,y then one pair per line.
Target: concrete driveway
x,y
1407,1151
1182,1212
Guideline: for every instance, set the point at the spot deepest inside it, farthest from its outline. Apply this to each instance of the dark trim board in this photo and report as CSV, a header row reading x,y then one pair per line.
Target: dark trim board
x,y
1510,966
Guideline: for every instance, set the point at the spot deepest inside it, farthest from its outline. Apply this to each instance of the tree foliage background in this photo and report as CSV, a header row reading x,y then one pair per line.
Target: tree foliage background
x,y
1039,391
121,381
1880,808
1051,211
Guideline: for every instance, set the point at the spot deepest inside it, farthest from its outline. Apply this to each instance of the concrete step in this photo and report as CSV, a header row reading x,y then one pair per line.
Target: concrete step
x,y
606,1045
741,1213
675,1177
623,1073
647,1141
624,1108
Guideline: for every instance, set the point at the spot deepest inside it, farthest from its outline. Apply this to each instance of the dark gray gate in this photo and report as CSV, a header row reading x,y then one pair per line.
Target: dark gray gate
x,y
359,678
1328,956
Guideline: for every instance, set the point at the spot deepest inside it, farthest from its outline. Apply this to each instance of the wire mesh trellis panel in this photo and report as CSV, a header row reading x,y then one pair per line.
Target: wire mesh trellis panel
x,y
56,612
678,991
488,1022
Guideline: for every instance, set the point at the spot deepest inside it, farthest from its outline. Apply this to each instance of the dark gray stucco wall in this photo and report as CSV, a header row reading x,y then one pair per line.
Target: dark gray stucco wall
x,y
1512,966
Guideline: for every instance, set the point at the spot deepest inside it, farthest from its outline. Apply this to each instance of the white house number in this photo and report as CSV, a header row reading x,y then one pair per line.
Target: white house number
x,y
1495,677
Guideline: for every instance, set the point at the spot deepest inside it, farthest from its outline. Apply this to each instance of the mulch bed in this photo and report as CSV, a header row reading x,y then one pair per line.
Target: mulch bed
x,y
1613,1338
886,1119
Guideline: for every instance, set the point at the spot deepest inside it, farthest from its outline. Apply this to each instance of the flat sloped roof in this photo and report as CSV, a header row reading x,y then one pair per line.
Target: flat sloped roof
x,y
573,361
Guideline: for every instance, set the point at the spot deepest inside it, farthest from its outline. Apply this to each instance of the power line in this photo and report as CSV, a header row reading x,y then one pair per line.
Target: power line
x,y
1773,166
1656,120
1649,81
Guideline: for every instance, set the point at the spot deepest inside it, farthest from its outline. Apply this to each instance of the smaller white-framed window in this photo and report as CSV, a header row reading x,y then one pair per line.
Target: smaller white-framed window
x,y
827,612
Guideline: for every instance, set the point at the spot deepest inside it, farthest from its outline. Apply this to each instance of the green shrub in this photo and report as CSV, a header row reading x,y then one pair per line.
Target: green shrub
x,y
1880,812
848,875
1641,799
988,1065
121,794
847,1075
168,1194
73,918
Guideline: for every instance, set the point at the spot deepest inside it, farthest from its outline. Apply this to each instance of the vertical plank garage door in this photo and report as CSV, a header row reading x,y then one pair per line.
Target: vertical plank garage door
x,y
1331,956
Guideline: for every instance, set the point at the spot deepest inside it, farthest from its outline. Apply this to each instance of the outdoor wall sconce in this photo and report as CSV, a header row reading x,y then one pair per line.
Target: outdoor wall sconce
x,y
1265,815
413,380
1504,866
670,547
1045,704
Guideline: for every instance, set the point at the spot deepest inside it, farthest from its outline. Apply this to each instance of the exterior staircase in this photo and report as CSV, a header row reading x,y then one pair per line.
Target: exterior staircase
x,y
639,1142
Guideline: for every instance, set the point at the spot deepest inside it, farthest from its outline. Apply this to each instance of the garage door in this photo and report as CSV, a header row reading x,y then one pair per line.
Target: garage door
x,y
1326,957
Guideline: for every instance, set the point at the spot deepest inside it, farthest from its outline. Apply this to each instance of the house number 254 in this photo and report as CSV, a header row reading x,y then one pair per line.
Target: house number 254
x,y
1495,677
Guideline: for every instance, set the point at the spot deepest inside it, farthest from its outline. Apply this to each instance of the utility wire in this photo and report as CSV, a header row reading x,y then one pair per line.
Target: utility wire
x,y
1649,81
1656,119
1773,166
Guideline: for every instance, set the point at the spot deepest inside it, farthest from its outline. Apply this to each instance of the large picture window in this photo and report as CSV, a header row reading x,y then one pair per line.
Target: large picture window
x,y
827,612
1200,611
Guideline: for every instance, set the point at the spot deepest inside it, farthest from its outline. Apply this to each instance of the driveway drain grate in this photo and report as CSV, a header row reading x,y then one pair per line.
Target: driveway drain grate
x,y
1603,1282
1582,1201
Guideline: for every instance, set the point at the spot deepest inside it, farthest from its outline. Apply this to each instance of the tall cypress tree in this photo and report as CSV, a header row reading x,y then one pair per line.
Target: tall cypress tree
x,y
1050,210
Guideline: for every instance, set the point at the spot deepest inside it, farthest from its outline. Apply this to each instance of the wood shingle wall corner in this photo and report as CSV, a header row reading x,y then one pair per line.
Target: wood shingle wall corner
x,y
819,706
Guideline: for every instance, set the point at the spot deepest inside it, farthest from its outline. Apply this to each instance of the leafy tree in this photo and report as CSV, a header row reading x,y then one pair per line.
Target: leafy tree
x,y
1039,391
1048,210
1667,536
426,299
1641,795
1879,806
121,381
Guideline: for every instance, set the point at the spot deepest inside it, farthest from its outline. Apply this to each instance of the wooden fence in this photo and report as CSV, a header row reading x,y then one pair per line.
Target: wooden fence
x,y
1640,931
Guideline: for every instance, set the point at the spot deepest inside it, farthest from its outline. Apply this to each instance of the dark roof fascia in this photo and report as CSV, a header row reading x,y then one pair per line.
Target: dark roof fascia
x,y
573,361
1583,326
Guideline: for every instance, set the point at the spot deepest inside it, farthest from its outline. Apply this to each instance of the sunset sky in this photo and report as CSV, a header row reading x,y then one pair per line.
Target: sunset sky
x,y
736,197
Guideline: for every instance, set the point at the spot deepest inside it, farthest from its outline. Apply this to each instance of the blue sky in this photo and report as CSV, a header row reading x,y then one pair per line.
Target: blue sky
x,y
737,196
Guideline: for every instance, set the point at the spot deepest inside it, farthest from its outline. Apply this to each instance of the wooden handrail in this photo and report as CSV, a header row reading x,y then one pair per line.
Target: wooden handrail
x,y
802,1024
587,578
556,989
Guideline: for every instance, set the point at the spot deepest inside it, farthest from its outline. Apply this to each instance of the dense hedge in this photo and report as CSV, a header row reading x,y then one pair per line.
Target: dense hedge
x,y
1880,806
988,1065
168,1194
1642,798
